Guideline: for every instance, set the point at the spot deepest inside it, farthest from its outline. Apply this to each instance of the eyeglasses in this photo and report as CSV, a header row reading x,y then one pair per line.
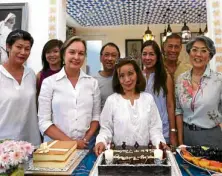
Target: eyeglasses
x,y
112,55
201,51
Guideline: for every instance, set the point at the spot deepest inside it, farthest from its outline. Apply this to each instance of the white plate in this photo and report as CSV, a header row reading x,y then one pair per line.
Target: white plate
x,y
207,170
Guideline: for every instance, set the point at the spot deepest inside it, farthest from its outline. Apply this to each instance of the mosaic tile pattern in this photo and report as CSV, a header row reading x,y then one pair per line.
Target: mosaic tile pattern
x,y
134,12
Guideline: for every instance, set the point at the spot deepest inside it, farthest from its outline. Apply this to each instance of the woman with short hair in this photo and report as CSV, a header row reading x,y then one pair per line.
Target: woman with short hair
x,y
198,97
18,114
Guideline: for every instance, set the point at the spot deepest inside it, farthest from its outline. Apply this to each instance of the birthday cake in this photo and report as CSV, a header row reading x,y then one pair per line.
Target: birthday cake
x,y
55,154
139,156
138,160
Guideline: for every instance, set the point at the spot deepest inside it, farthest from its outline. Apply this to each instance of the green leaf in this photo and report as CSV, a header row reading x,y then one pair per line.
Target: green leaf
x,y
205,148
18,172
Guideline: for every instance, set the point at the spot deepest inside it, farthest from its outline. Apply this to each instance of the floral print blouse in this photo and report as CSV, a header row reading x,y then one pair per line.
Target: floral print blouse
x,y
201,107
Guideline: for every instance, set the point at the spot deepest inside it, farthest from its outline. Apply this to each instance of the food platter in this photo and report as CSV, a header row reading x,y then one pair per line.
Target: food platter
x,y
197,166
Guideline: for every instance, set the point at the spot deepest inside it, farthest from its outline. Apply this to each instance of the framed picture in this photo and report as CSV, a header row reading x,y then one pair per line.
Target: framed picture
x,y
12,16
133,49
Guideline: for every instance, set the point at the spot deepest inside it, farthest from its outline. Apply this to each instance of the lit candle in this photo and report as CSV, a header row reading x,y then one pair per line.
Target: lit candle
x,y
109,156
158,153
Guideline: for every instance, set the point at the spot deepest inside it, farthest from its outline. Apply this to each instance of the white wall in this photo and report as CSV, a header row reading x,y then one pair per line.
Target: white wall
x,y
38,26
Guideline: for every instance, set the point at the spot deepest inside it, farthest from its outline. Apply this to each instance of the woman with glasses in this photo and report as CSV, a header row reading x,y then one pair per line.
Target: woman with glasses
x,y
198,98
51,61
160,85
129,115
69,101
18,116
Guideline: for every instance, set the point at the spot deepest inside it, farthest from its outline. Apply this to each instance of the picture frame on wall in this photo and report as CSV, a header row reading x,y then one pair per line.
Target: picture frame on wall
x,y
133,49
12,16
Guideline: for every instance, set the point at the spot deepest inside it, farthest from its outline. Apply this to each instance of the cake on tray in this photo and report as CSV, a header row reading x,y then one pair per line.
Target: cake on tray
x,y
55,154
134,161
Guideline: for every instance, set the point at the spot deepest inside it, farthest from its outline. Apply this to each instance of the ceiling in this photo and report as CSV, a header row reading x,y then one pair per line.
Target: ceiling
x,y
136,12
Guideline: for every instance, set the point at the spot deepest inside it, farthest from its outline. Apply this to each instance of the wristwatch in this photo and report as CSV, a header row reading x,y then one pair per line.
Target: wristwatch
x,y
173,130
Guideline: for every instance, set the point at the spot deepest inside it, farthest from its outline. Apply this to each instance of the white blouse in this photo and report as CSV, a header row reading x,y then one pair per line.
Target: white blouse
x,y
70,108
122,122
18,114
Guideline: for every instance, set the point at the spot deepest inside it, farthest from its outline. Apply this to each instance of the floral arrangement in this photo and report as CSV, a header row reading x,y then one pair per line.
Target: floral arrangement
x,y
13,153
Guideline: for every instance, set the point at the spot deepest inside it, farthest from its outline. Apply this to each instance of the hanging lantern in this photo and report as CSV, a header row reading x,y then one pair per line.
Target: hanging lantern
x,y
148,35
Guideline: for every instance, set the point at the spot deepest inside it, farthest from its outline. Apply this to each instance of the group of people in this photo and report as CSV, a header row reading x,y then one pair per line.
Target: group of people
x,y
122,103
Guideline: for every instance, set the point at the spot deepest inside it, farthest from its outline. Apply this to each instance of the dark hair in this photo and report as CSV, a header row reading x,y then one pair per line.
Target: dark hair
x,y
69,42
174,36
160,78
110,44
141,82
207,41
48,46
17,35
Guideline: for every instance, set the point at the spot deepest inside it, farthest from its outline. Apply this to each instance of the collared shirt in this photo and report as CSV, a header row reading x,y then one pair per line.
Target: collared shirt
x,y
120,121
161,103
182,66
200,107
71,109
105,86
18,116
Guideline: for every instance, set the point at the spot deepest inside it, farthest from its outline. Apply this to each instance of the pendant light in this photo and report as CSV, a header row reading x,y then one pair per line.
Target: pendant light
x,y
185,31
164,36
206,31
148,33
200,31
169,30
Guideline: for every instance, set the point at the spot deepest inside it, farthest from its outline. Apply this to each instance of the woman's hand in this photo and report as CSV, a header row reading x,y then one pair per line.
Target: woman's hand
x,y
99,148
82,144
165,146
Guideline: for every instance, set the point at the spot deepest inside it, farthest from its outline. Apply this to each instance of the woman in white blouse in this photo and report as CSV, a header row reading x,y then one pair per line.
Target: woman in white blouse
x,y
18,114
69,101
129,115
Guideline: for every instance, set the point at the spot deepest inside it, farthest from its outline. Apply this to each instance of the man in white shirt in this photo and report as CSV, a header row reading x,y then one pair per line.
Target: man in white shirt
x,y
108,56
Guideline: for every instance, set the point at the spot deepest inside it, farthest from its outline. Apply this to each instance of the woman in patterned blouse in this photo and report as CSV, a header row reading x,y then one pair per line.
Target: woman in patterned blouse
x,y
198,98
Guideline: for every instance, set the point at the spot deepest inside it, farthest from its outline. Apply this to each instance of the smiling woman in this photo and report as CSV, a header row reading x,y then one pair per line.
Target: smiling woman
x,y
51,61
129,115
69,101
18,91
198,98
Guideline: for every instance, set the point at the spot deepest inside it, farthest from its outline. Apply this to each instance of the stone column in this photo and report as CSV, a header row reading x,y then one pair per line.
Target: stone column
x,y
214,21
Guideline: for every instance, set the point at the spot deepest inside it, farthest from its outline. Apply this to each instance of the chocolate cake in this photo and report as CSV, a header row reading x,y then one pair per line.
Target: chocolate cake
x,y
138,156
134,161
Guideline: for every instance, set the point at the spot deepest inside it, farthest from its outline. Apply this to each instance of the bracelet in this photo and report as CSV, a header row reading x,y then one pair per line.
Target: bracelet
x,y
173,130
